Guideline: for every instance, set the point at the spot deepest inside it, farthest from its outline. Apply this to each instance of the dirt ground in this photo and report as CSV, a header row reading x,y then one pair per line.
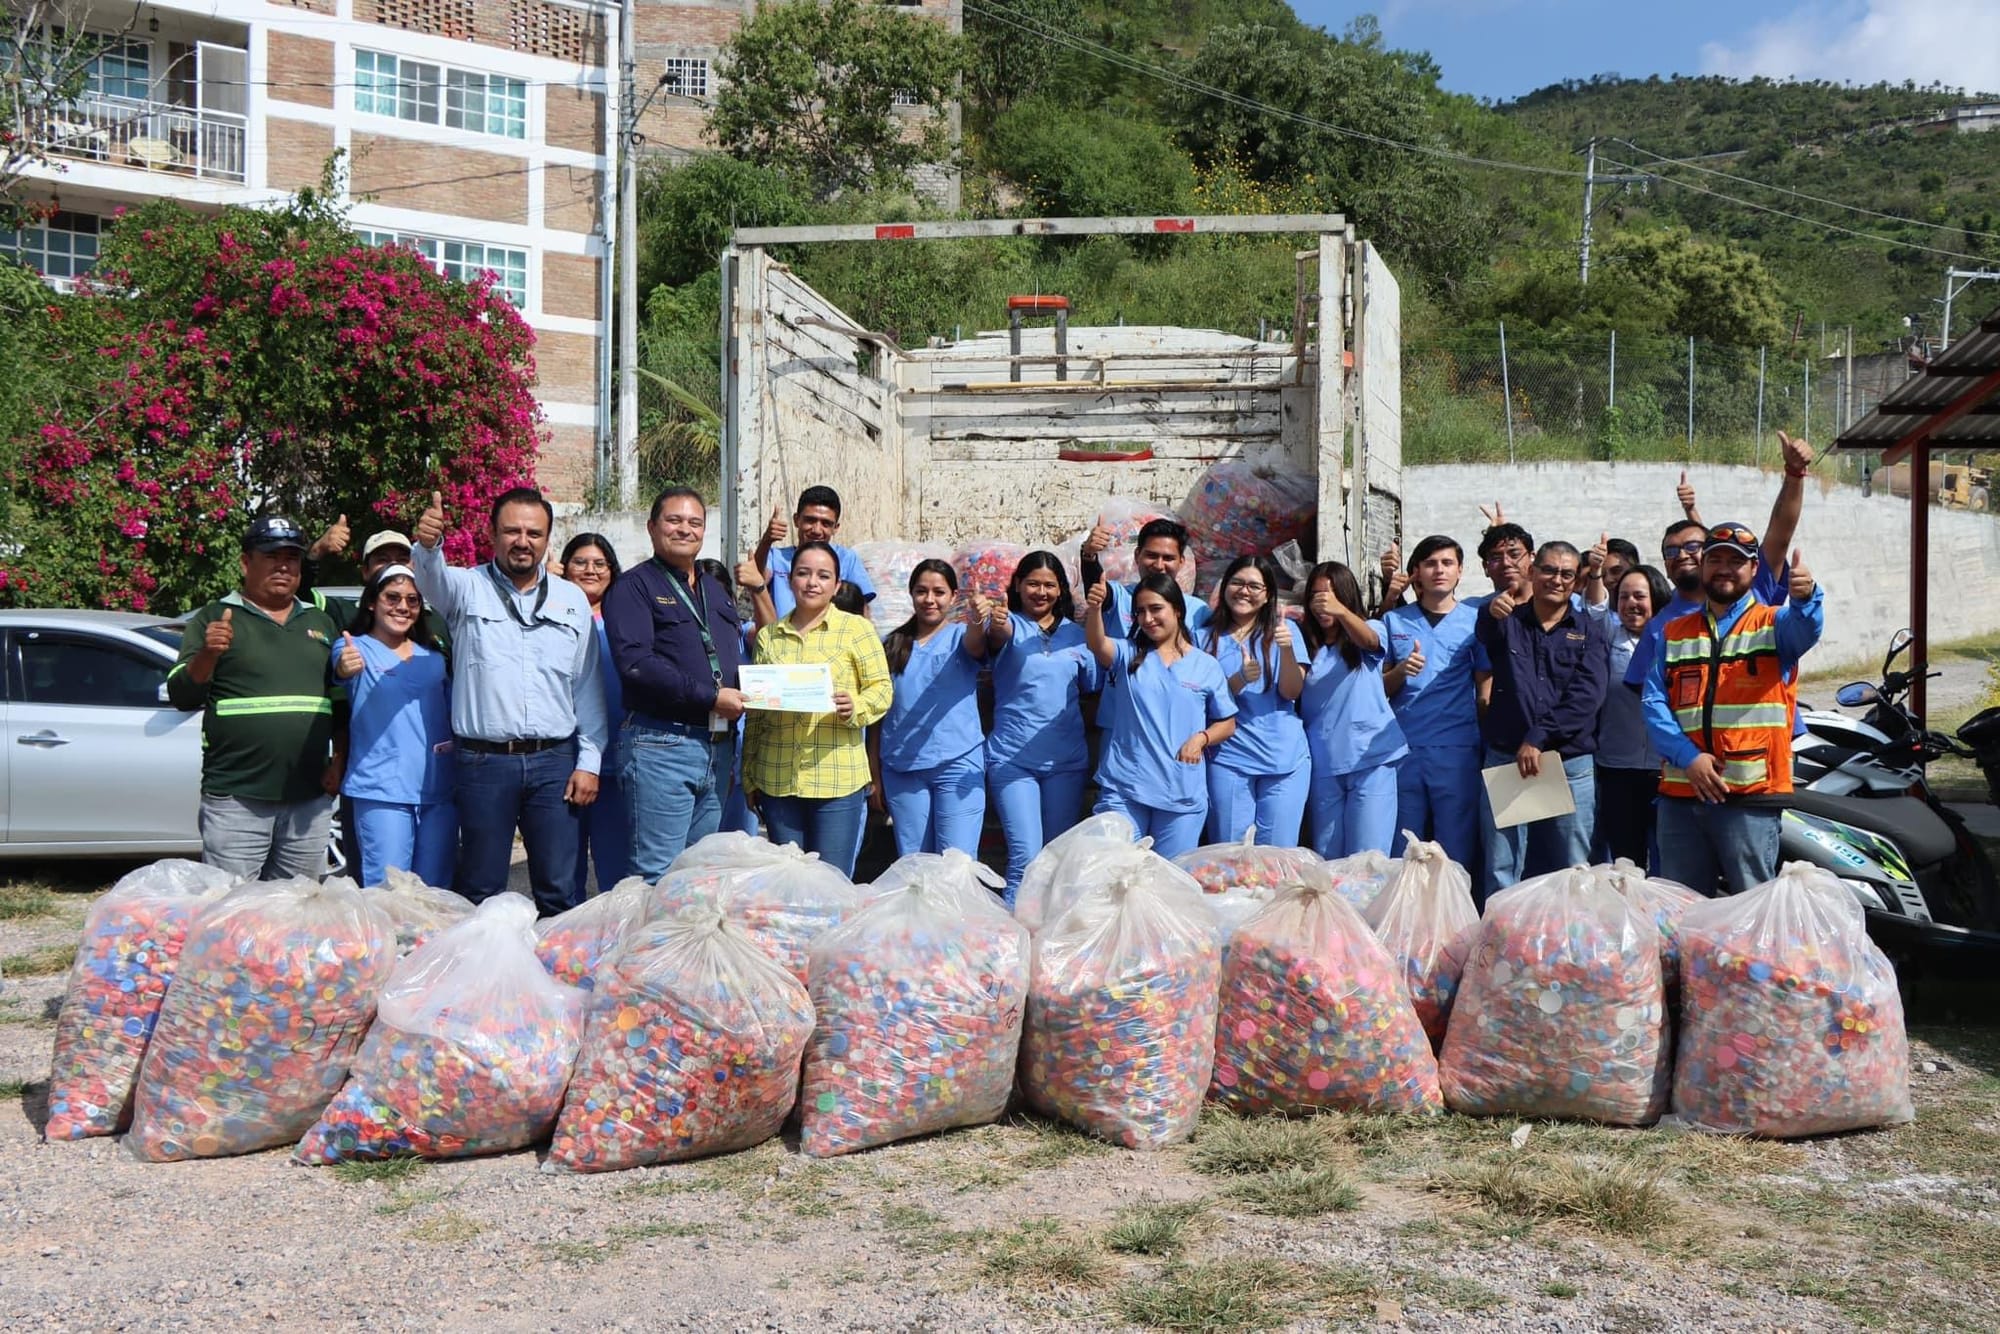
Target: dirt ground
x,y
1335,1223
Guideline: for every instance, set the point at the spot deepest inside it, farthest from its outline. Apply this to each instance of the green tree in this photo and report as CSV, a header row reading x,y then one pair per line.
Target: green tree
x,y
1704,289
687,211
1079,162
812,89
1010,62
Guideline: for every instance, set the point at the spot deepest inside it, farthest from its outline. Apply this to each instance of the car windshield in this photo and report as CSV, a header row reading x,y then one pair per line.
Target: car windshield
x,y
168,633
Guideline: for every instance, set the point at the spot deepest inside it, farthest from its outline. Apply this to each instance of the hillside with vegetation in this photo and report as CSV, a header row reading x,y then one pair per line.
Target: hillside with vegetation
x,y
1182,106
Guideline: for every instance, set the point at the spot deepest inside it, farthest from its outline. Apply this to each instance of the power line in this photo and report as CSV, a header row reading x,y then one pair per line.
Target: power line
x,y
1800,217
1800,194
1112,56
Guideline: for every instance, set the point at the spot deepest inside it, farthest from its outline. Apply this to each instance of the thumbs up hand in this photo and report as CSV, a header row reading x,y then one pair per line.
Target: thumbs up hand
x,y
430,527
331,542
220,634
1801,584
1413,664
1685,494
776,530
349,663
1595,557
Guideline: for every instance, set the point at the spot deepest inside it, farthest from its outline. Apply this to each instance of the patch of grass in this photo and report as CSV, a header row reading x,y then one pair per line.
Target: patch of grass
x,y
1039,1255
746,1173
805,1190
1454,1292
1159,1227
1226,1145
1052,1144
1558,1289
922,1231
403,1201
1297,1192
42,961
23,900
617,1239
666,1185
1217,1296
449,1226
357,1171
1621,1198
13,1090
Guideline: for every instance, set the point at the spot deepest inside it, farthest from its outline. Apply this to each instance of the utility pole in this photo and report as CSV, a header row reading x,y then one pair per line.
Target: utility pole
x,y
628,261
1956,281
1590,180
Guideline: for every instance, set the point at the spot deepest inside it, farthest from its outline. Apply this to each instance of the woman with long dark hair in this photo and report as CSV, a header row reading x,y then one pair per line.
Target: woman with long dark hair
x,y
1170,707
1351,732
604,830
1628,768
1037,757
1259,778
930,748
736,816
399,773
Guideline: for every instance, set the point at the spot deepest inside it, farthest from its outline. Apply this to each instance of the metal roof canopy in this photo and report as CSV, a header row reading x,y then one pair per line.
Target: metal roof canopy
x,y
1266,223
1955,403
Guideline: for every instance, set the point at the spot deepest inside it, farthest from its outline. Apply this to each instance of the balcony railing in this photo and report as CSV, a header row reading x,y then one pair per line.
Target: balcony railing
x,y
151,136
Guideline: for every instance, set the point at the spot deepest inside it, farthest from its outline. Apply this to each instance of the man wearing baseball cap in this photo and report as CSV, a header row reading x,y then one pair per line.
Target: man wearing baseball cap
x,y
378,553
255,663
1718,702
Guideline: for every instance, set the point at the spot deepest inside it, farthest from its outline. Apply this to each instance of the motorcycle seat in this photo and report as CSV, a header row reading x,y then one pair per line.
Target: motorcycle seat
x,y
1911,825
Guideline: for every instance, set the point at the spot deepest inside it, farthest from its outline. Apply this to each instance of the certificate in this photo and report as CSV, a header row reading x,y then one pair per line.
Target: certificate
x,y
788,687
1518,800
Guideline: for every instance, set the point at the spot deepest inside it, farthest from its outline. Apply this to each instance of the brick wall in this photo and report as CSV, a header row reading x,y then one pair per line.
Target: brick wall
x,y
567,467
569,286
295,153
576,120
565,367
571,197
562,32
408,173
301,69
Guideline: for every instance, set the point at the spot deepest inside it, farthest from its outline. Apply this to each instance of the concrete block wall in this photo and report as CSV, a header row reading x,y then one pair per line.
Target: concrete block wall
x,y
1857,546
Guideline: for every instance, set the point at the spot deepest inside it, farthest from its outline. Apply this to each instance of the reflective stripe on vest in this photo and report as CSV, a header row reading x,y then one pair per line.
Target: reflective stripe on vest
x,y
255,704
1730,699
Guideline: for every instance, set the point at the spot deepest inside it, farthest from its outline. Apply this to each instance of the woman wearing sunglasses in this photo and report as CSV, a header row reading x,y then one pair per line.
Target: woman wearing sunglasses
x,y
1259,777
399,752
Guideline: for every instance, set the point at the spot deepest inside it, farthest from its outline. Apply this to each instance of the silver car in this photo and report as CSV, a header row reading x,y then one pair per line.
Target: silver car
x,y
96,762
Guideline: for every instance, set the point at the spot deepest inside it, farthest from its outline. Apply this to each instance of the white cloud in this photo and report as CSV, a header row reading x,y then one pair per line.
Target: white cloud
x,y
1955,42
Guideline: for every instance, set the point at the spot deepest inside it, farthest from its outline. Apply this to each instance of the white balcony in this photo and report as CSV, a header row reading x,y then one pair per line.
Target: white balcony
x,y
149,136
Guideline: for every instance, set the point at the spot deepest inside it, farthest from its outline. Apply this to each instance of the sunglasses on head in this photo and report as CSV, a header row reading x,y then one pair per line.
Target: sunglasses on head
x,y
1733,532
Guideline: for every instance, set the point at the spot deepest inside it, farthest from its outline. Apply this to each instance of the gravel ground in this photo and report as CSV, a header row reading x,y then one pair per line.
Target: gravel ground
x,y
1000,1228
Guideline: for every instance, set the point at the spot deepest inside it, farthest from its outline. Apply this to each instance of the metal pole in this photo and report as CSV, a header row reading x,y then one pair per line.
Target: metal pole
x,y
1806,430
1920,592
628,266
1589,186
1506,391
1690,395
1611,391
1847,390
1758,456
1944,337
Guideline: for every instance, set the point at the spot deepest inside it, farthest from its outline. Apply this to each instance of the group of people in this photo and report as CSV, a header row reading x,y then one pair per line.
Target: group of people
x,y
600,711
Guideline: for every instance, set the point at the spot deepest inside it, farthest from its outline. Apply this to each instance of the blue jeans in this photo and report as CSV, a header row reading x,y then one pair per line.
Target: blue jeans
x,y
1354,812
1733,843
830,826
1274,803
1034,808
674,785
1523,850
737,817
497,793
604,836
420,839
938,808
1172,832
1439,795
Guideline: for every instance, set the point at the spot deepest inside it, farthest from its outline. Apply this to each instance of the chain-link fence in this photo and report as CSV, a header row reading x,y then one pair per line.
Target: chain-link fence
x,y
1498,395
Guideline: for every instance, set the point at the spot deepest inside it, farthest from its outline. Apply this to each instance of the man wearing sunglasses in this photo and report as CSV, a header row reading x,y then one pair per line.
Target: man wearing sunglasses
x,y
1549,662
1718,703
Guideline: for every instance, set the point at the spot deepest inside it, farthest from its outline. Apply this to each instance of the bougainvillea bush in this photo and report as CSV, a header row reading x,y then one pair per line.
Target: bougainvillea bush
x,y
220,364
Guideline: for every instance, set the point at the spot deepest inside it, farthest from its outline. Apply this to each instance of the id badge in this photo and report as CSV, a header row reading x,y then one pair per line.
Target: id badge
x,y
718,725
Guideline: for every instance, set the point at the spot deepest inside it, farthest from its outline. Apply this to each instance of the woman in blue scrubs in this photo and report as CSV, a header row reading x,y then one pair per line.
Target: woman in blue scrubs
x,y
931,750
1169,706
1352,733
604,831
1259,777
1037,758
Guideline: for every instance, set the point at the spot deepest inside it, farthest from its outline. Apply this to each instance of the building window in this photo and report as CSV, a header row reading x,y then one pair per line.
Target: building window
x,y
465,260
902,97
686,76
385,85
486,104
121,68
64,246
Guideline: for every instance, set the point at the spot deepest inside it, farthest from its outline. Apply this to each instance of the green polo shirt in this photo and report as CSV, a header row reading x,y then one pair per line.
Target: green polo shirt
x,y
267,713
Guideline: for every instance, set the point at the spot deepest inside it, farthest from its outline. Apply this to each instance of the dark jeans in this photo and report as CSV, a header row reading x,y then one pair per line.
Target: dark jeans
x,y
1625,813
830,826
497,793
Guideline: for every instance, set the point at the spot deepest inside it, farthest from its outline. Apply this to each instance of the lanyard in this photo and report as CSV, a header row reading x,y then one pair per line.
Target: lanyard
x,y
700,615
508,594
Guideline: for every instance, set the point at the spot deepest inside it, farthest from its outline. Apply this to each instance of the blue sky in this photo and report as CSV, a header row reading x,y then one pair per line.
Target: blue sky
x,y
1503,48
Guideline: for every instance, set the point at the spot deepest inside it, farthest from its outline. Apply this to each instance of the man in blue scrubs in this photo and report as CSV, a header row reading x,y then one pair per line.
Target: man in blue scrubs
x,y
817,519
1428,678
1162,548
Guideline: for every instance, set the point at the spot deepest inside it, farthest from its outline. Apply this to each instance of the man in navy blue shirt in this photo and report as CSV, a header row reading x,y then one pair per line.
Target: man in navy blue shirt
x,y
676,644
1549,662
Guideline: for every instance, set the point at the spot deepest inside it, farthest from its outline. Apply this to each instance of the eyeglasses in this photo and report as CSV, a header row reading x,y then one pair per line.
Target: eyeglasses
x,y
590,565
1504,556
1672,549
1558,573
400,600
1247,586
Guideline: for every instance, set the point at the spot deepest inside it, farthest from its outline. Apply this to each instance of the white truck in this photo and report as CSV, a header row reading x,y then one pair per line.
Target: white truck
x,y
988,437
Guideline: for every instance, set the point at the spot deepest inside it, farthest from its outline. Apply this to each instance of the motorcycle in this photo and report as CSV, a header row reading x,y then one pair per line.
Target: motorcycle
x,y
1862,808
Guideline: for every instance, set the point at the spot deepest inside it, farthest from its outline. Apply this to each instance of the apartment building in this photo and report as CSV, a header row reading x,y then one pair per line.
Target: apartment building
x,y
676,44
474,130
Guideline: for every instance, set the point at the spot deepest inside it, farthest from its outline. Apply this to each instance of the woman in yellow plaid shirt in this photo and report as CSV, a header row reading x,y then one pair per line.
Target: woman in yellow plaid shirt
x,y
806,774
